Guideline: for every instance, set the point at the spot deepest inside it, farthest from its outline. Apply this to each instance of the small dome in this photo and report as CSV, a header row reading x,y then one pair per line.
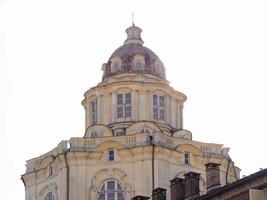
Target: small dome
x,y
133,57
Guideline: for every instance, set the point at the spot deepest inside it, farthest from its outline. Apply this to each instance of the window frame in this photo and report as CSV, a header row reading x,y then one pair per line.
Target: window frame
x,y
94,111
48,195
124,105
50,170
158,107
116,190
111,155
186,158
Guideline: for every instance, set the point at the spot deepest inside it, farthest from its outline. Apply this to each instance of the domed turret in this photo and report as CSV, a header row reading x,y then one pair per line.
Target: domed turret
x,y
133,57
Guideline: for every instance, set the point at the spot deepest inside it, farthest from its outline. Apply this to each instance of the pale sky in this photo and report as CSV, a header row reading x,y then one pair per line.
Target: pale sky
x,y
51,52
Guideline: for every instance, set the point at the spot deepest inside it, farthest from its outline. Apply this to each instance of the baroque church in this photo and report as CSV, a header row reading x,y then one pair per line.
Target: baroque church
x,y
134,139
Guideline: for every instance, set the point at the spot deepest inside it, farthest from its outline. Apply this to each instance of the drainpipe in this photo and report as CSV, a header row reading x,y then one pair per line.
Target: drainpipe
x,y
153,160
68,175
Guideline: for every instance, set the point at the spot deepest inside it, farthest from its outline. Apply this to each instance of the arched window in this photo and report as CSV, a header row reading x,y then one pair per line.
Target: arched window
x,y
111,190
118,132
94,134
49,196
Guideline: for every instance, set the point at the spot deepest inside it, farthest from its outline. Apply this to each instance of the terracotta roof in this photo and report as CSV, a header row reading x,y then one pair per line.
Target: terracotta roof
x,y
233,185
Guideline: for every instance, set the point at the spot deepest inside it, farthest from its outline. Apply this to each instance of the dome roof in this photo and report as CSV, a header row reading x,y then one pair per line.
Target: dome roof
x,y
129,50
133,57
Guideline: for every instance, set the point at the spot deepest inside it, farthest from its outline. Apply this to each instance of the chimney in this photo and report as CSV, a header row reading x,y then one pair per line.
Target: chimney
x,y
191,183
140,198
177,189
212,176
159,194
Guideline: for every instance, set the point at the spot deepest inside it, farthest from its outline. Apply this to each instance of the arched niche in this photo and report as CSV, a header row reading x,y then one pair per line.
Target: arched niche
x,y
98,130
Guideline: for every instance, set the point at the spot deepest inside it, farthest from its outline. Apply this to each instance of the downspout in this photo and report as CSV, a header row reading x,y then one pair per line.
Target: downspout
x,y
67,174
153,160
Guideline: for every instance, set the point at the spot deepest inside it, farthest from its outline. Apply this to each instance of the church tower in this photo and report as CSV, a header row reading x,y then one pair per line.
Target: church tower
x,y
134,139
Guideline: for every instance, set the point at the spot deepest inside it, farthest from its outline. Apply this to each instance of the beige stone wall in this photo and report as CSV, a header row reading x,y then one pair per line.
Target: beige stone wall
x,y
86,158
89,166
142,93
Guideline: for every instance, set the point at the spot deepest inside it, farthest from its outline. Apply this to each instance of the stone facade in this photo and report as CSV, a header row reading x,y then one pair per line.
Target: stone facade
x,y
134,139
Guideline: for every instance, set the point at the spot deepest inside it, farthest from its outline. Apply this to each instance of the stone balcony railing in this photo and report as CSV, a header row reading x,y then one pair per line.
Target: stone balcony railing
x,y
128,141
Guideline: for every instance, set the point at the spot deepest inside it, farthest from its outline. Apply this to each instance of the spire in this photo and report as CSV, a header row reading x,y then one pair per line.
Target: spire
x,y
133,19
133,35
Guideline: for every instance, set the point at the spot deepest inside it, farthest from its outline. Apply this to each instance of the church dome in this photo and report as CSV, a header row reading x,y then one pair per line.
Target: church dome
x,y
133,57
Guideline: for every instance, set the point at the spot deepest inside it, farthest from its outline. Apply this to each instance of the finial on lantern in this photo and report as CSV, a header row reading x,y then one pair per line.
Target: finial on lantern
x,y
133,19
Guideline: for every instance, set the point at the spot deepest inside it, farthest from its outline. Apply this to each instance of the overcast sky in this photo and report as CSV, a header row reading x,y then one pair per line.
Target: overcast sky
x,y
51,52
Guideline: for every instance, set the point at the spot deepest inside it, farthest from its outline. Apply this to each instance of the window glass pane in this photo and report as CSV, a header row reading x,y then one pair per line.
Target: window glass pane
x,y
186,158
94,111
128,98
101,197
111,196
111,190
161,101
111,155
155,113
119,99
111,185
120,196
155,100
103,188
128,111
50,196
93,106
161,114
119,112
94,134
94,118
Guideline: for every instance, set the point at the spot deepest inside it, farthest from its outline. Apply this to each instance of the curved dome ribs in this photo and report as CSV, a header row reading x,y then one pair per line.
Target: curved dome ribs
x,y
134,58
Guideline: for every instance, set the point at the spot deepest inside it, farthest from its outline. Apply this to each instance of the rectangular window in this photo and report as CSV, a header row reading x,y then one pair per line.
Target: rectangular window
x,y
158,107
50,170
124,105
186,158
94,111
111,155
